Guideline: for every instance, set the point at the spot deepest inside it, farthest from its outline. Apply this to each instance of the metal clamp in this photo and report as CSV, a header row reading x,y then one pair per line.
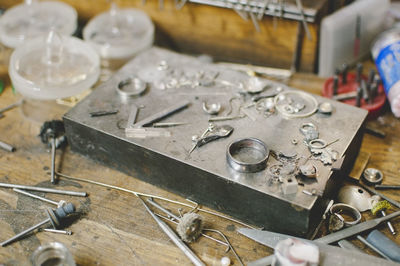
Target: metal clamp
x,y
136,85
247,155
340,208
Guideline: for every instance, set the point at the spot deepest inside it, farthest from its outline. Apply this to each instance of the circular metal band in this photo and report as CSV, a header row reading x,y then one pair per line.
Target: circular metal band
x,y
138,87
313,143
340,208
305,127
247,155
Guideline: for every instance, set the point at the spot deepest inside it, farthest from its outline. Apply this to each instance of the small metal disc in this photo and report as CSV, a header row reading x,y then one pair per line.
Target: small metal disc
x,y
325,108
372,176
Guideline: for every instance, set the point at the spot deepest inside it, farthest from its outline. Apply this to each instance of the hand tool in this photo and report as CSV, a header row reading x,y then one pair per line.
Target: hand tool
x,y
330,255
365,242
356,229
45,189
380,207
177,241
274,238
55,217
384,244
51,131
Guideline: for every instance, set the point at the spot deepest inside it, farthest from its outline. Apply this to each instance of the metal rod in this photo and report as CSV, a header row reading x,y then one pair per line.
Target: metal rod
x,y
155,197
177,241
363,240
169,124
7,147
11,106
53,159
64,232
43,189
387,187
163,114
132,116
163,209
34,196
17,236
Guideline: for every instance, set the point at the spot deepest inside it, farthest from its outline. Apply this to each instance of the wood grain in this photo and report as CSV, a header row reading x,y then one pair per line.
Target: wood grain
x,y
219,32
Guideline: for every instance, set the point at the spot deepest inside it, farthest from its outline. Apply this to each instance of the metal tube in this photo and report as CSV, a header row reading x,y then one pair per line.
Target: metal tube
x,y
6,146
35,196
177,241
43,189
163,209
17,236
64,232
53,159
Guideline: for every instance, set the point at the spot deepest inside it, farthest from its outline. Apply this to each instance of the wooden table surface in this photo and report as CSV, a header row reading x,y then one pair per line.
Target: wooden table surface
x,y
113,228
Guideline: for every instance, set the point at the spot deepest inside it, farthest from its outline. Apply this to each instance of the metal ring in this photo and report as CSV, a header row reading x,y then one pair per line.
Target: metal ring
x,y
247,155
314,141
139,86
339,208
301,94
306,127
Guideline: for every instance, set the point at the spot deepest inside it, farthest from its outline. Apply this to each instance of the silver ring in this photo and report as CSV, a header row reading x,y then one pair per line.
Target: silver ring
x,y
313,143
136,87
247,155
306,127
340,208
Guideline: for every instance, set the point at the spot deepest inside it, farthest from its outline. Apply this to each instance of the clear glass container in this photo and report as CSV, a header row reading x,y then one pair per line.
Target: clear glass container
x,y
52,254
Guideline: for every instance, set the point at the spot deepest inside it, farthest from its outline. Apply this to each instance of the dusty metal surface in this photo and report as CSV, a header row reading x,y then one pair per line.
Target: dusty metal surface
x,y
204,175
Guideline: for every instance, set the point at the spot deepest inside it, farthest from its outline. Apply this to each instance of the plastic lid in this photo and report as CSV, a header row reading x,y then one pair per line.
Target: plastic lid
x,y
53,67
32,19
119,33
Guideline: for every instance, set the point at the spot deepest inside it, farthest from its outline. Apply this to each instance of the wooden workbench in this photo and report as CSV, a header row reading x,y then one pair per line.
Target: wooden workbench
x,y
113,228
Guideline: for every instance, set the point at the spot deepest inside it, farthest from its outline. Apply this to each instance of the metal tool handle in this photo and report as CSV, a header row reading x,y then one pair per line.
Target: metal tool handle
x,y
355,229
